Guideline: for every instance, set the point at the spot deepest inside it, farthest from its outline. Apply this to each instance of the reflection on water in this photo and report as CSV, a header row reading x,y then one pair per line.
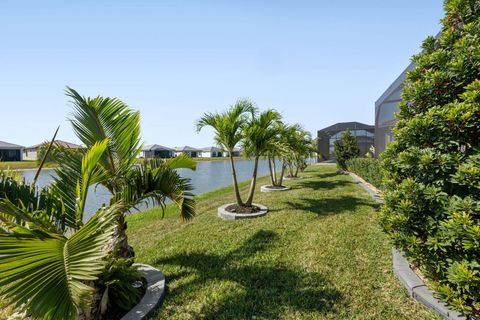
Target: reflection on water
x,y
210,175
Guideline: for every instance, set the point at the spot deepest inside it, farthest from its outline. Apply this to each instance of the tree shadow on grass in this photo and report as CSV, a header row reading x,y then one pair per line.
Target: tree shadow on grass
x,y
324,184
267,290
329,206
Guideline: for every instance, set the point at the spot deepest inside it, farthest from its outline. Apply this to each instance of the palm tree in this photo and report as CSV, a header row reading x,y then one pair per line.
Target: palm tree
x,y
99,118
46,259
280,149
300,145
50,257
259,133
228,127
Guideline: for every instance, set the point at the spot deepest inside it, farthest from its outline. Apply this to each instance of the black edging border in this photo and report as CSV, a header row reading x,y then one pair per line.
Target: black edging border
x,y
153,296
415,286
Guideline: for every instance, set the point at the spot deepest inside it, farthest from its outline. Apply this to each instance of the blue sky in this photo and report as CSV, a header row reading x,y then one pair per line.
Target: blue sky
x,y
318,62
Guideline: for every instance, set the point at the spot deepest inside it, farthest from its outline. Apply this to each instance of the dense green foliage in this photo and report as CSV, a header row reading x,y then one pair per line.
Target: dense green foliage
x,y
345,149
432,199
368,168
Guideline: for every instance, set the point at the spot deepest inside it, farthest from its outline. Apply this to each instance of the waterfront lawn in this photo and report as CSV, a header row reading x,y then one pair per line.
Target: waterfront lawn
x,y
318,254
4,165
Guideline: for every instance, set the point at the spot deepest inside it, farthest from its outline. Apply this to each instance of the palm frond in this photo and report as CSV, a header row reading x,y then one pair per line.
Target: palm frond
x,y
156,180
45,273
99,118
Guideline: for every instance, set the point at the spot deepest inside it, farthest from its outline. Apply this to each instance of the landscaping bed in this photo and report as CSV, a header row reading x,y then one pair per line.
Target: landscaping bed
x,y
318,254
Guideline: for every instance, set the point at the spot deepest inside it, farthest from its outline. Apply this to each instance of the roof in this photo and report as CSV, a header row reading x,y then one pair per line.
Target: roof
x,y
186,149
156,147
211,149
342,126
7,145
59,143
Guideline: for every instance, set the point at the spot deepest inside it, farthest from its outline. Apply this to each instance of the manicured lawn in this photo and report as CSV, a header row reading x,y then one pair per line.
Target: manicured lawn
x,y
318,254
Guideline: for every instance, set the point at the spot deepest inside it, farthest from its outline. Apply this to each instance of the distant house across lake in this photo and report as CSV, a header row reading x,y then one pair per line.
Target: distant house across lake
x,y
211,152
190,151
235,153
327,136
10,151
32,153
157,151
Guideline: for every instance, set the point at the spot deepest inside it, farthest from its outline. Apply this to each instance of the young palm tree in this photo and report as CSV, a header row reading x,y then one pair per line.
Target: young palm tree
x,y
259,133
99,118
280,149
49,256
300,145
228,127
46,258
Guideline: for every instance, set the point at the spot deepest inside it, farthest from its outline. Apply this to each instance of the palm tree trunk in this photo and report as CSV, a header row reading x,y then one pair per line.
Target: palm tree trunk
x,y
238,198
251,193
123,249
272,178
296,171
290,169
282,174
274,171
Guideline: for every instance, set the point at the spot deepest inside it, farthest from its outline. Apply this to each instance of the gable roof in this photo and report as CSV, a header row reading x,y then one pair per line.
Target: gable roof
x,y
211,149
186,149
60,143
8,145
156,147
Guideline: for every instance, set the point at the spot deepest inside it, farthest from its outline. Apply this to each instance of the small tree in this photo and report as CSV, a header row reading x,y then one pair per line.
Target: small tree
x,y
228,127
346,149
258,134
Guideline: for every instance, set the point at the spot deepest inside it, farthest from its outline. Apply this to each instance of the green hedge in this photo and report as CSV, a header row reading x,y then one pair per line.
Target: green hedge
x,y
367,168
432,168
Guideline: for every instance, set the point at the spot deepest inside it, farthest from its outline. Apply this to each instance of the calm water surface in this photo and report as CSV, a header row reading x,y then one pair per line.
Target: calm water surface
x,y
210,175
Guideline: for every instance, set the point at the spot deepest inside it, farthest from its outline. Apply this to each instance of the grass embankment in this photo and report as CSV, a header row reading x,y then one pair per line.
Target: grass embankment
x,y
15,165
317,254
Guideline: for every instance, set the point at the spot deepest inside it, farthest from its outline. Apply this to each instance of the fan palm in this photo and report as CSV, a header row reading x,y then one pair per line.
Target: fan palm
x,y
259,133
228,127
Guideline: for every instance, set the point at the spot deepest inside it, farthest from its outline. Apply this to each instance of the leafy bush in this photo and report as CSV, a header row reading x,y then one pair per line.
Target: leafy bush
x,y
367,168
345,149
432,169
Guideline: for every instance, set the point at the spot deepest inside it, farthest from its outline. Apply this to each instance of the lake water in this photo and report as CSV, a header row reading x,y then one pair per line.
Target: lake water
x,y
210,175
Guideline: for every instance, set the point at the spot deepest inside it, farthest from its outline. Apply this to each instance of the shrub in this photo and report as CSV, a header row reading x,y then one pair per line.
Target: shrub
x,y
367,168
345,149
432,169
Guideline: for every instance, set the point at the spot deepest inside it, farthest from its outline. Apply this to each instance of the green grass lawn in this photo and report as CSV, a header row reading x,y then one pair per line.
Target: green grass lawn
x,y
18,165
318,254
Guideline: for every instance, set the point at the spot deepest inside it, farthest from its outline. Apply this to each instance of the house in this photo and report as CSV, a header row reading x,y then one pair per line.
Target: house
x,y
211,152
32,152
156,151
237,152
10,151
385,108
190,151
326,138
